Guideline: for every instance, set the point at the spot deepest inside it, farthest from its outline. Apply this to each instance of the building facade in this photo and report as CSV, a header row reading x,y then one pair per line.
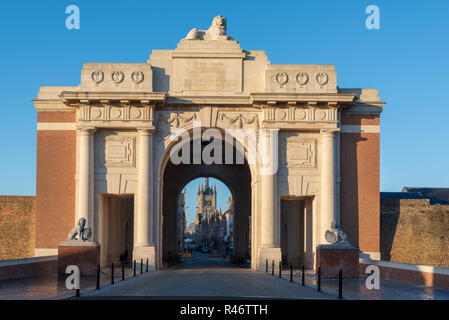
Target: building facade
x,y
104,151
181,221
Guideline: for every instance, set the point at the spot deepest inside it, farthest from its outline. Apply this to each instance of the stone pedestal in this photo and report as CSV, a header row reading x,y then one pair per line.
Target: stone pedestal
x,y
85,255
332,258
142,253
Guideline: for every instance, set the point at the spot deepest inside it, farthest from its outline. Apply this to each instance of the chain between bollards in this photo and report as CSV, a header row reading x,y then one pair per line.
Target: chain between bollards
x,y
98,277
319,279
340,284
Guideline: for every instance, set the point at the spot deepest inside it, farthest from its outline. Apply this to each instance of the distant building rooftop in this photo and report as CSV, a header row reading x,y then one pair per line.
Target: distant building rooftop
x,y
435,195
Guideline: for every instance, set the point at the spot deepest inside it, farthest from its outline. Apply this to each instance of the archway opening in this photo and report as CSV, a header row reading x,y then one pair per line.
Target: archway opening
x,y
207,209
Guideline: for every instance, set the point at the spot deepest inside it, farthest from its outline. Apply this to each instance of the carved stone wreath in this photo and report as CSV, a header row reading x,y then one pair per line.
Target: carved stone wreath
x,y
137,77
117,77
302,78
330,236
97,77
322,78
281,78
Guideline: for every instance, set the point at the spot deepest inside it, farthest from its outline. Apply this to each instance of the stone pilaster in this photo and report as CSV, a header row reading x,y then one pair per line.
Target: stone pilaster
x,y
328,181
269,248
144,241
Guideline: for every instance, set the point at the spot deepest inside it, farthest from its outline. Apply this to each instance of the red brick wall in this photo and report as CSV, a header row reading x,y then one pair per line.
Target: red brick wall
x,y
55,181
357,119
48,116
359,188
17,227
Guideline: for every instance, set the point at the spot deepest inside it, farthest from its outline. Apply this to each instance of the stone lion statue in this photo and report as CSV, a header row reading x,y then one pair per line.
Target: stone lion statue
x,y
217,31
336,235
81,231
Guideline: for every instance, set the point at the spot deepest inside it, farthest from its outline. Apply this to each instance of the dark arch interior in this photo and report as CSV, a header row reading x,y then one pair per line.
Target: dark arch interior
x,y
237,178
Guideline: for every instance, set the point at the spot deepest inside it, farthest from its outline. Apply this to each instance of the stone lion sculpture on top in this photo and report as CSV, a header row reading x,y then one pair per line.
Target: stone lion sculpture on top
x,y
336,235
217,31
80,231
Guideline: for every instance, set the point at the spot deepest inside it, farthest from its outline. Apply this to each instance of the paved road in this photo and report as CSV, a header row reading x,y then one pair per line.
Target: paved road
x,y
207,278
201,277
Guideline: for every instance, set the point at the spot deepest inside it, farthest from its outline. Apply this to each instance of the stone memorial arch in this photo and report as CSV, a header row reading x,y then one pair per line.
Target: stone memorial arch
x,y
103,151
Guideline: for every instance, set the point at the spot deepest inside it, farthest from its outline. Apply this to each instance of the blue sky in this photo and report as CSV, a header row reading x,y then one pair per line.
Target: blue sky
x,y
407,60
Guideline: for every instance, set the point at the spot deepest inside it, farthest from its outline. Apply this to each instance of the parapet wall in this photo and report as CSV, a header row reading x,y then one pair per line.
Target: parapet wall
x,y
413,231
17,227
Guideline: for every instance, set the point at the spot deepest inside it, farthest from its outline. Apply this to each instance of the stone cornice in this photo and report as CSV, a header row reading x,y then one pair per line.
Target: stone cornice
x,y
54,105
343,99
366,108
208,100
69,100
261,99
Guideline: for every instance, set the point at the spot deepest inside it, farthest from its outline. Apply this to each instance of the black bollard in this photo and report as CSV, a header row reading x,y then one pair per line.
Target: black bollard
x,y
319,279
340,284
123,271
77,293
291,273
280,269
266,266
134,268
112,273
272,268
141,266
303,280
98,277
147,264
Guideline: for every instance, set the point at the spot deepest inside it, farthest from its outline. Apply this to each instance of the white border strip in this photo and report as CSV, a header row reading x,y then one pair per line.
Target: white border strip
x,y
14,262
56,126
354,128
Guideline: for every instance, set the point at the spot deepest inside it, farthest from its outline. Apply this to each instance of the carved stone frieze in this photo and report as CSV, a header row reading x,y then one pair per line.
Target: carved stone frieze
x,y
239,120
115,113
177,120
301,114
